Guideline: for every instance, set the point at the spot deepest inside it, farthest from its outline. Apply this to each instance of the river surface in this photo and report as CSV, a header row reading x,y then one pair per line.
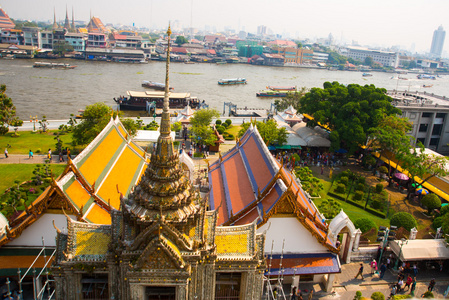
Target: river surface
x,y
59,93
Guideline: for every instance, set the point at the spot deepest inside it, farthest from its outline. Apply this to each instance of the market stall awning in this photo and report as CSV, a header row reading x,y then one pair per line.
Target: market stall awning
x,y
414,250
303,264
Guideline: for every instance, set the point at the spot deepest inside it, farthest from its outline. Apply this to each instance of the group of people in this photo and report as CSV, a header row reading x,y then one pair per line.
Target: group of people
x,y
307,157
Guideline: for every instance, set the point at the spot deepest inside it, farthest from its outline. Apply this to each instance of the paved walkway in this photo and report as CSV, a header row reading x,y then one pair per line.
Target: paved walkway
x,y
24,159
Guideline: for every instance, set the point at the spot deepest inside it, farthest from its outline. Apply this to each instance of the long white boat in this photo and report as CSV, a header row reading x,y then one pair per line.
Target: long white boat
x,y
53,65
232,81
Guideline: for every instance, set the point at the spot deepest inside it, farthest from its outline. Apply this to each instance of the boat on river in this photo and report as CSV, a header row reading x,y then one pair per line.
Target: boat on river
x,y
427,85
426,76
270,93
154,85
148,100
281,88
53,65
232,81
367,74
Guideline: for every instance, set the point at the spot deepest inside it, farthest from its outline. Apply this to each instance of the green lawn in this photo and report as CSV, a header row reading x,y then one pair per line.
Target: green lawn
x,y
22,172
234,129
32,141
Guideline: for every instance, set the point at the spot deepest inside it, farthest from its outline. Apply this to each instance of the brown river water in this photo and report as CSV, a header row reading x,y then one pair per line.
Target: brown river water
x,y
59,93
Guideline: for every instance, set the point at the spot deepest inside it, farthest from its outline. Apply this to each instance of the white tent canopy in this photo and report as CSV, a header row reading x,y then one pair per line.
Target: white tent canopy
x,y
149,135
416,250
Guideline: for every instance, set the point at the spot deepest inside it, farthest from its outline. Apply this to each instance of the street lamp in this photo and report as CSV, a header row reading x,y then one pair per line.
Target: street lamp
x,y
403,242
383,236
34,120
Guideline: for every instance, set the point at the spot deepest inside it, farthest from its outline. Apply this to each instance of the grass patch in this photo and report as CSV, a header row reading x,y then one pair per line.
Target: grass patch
x,y
22,172
233,129
29,140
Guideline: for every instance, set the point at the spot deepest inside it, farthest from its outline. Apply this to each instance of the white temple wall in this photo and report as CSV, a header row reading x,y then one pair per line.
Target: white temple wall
x,y
43,227
297,238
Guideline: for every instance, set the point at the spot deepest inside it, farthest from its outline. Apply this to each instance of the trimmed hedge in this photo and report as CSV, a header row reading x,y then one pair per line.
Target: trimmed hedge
x,y
403,219
340,188
379,187
358,195
376,213
365,224
377,296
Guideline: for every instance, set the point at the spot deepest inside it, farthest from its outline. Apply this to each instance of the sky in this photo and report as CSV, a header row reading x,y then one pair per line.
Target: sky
x,y
376,22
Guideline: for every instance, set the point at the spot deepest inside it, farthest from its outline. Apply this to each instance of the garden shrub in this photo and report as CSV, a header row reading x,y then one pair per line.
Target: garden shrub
x,y
358,295
229,137
428,294
365,224
403,219
360,187
377,296
437,222
225,125
379,187
197,154
228,121
400,297
348,174
431,201
376,204
340,188
344,180
220,129
218,122
383,170
358,195
361,180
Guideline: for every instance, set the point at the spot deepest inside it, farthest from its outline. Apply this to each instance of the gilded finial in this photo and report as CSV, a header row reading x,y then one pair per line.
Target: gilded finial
x,y
168,30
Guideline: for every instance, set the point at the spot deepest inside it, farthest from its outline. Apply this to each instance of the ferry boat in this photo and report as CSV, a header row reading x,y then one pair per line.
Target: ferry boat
x,y
281,88
367,74
427,85
270,93
154,85
232,81
141,100
53,65
426,76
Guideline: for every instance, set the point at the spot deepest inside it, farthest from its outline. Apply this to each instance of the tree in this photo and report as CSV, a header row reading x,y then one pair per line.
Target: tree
x,y
368,61
391,135
350,110
201,128
291,99
431,201
423,165
403,219
95,118
270,133
7,112
310,183
181,40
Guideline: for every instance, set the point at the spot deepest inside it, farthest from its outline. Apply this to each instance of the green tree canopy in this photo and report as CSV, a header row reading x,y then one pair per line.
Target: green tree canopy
x,y
351,111
7,112
270,133
95,118
181,40
368,61
291,99
201,126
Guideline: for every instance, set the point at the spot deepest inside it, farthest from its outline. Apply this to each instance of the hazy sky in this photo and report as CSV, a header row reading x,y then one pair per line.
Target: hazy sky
x,y
375,22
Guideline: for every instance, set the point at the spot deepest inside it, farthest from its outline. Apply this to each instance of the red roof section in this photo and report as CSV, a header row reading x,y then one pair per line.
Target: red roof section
x,y
179,50
211,51
282,43
5,21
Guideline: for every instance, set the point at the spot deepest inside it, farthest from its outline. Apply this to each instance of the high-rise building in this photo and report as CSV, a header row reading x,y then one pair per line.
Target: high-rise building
x,y
437,42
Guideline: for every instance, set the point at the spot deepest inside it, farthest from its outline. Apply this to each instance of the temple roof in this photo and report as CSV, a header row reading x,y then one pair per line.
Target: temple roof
x,y
109,163
249,185
95,25
236,242
5,21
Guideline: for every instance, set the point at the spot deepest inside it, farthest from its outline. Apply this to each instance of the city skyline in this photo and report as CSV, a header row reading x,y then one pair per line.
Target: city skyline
x,y
401,23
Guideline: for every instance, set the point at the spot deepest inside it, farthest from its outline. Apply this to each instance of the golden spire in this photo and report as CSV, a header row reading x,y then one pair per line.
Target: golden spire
x,y
164,142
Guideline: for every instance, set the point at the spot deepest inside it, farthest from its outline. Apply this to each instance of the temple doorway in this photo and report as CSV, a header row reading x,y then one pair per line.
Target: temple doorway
x,y
227,286
344,235
160,293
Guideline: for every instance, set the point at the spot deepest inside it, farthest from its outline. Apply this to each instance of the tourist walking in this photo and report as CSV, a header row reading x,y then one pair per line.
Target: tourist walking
x,y
408,282
415,270
431,285
412,289
293,297
6,152
383,269
49,154
30,154
393,291
373,266
360,272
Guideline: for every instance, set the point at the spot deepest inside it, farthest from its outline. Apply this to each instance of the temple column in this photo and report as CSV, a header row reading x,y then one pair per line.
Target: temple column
x,y
358,233
329,282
